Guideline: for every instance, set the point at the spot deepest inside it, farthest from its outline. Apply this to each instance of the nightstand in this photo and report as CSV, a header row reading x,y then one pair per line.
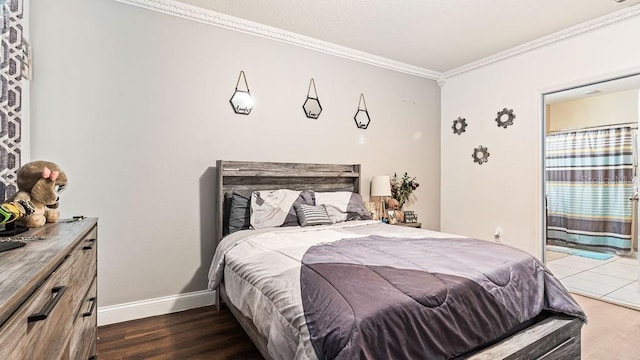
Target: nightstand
x,y
413,225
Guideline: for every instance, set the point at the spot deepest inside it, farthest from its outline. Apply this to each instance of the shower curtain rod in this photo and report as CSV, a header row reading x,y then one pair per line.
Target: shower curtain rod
x,y
633,125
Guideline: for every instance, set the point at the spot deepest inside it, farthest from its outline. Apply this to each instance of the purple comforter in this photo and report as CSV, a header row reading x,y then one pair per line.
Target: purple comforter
x,y
383,298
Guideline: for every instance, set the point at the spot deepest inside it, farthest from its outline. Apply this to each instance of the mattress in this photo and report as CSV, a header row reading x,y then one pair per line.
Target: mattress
x,y
371,290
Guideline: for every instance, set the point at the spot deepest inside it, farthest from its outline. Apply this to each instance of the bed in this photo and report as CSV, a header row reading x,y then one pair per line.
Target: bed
x,y
344,309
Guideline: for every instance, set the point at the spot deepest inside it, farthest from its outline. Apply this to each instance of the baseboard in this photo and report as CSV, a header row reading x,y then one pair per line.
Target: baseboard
x,y
152,307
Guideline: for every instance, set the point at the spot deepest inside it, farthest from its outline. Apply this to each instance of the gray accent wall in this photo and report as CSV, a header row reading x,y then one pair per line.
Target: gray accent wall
x,y
134,105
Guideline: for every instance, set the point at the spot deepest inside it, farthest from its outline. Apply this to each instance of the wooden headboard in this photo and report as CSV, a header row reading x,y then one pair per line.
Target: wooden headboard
x,y
246,175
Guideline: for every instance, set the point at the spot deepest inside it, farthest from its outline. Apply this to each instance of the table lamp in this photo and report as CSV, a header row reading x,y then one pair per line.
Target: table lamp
x,y
381,188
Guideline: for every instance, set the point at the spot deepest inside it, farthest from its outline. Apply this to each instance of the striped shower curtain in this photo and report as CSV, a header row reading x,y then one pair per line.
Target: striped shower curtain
x,y
589,182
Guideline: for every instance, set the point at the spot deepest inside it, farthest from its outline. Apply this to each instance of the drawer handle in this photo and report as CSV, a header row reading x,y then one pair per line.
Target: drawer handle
x,y
93,305
90,246
58,291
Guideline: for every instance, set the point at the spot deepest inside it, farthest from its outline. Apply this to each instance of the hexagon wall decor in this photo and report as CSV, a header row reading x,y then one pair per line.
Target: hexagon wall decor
x,y
241,100
361,117
311,106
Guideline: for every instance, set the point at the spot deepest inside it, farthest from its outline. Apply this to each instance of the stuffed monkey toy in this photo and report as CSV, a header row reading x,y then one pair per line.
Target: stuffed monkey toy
x,y
39,183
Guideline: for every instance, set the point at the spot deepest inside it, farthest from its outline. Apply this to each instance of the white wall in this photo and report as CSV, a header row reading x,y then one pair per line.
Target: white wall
x,y
133,104
607,109
507,191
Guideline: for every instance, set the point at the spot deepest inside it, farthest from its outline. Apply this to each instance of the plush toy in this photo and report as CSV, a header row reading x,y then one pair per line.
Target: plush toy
x,y
39,183
393,204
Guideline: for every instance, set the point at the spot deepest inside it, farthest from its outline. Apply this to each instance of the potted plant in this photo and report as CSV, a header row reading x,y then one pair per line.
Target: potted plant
x,y
403,187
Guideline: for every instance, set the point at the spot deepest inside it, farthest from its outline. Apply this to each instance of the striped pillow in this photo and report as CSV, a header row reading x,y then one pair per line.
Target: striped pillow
x,y
309,215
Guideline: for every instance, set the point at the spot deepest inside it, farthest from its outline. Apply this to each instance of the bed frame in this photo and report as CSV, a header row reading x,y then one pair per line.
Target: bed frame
x,y
550,337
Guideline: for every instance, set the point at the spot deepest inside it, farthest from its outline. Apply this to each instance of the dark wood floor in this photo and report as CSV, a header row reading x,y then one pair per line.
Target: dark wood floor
x,y
203,333
200,333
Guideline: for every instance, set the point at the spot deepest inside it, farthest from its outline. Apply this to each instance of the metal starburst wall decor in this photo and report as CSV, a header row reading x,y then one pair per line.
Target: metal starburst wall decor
x,y
480,155
459,126
505,118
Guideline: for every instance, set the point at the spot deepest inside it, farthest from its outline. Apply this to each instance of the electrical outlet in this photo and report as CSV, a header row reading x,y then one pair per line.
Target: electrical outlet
x,y
497,236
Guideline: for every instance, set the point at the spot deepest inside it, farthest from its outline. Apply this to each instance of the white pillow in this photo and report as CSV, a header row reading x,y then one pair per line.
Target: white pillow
x,y
334,213
269,208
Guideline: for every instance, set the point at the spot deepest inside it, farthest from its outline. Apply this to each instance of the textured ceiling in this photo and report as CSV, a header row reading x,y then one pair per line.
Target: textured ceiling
x,y
438,35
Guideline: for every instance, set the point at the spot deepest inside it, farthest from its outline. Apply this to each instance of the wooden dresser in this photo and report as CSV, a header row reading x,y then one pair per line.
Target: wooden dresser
x,y
48,293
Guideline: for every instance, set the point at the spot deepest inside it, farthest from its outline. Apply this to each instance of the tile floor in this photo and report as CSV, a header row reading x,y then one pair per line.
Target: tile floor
x,y
614,280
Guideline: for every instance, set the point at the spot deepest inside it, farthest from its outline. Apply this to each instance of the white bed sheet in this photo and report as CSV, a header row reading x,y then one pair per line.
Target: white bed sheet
x,y
261,270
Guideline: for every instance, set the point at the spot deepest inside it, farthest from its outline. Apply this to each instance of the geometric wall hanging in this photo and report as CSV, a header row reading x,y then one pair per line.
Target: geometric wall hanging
x,y
362,115
480,155
242,101
459,126
311,106
505,118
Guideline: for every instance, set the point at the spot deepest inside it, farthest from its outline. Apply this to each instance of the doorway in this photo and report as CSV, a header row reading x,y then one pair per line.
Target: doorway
x,y
591,189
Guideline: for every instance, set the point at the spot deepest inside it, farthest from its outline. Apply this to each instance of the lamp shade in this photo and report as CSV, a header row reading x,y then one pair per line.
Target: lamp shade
x,y
380,186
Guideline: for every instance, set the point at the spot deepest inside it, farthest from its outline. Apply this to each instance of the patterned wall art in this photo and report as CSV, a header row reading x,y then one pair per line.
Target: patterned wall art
x,y
11,18
459,126
311,106
362,115
480,155
505,118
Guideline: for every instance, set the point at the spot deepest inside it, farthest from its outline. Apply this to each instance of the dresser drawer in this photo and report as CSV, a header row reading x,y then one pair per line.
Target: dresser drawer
x,y
48,338
39,329
84,326
13,344
82,266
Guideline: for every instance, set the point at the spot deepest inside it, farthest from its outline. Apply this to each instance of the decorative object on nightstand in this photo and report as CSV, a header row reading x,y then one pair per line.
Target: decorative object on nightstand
x,y
380,188
375,208
391,216
311,106
410,216
241,100
362,115
393,206
402,188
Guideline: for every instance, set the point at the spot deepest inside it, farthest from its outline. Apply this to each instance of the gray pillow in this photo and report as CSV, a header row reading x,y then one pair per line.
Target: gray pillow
x,y
240,212
343,205
310,215
356,209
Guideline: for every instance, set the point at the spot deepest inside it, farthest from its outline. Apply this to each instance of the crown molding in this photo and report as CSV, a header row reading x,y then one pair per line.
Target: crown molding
x,y
591,25
210,17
